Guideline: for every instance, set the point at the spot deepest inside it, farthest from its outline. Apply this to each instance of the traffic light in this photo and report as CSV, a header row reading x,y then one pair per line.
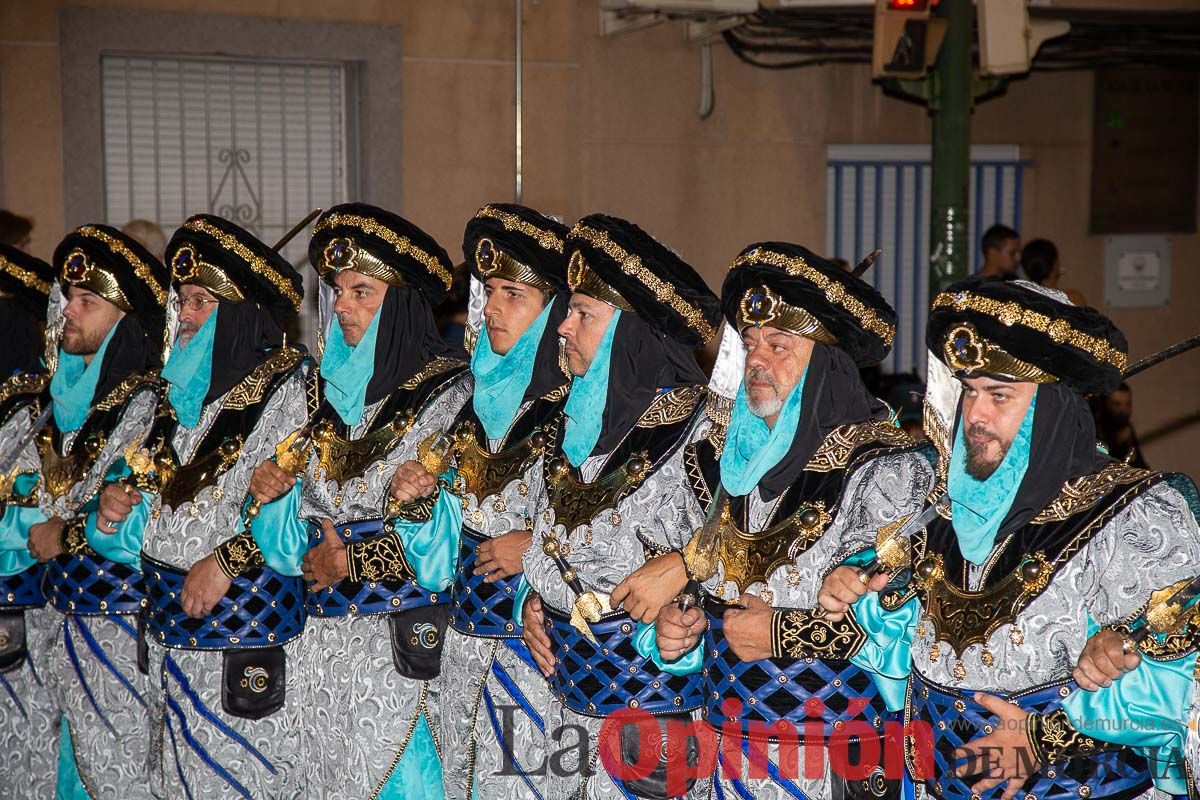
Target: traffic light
x,y
1008,39
907,38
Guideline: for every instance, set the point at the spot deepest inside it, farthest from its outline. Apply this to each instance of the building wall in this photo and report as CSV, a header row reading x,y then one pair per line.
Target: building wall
x,y
611,124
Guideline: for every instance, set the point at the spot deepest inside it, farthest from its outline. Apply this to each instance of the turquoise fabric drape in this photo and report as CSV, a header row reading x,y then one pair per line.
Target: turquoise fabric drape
x,y
69,785
588,400
418,774
280,532
15,522
979,507
752,447
431,547
73,385
189,373
887,651
125,545
501,381
1147,710
645,642
347,370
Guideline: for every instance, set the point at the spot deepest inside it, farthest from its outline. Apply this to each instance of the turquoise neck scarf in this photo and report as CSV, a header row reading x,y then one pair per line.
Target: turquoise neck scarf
x,y
978,507
752,447
588,399
189,371
73,385
500,381
347,370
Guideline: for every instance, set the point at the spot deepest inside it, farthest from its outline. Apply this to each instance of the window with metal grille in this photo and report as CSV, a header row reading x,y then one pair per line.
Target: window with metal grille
x,y
259,142
878,197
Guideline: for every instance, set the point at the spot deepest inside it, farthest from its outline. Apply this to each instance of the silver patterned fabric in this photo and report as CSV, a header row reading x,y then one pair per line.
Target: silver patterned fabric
x,y
661,513
197,748
106,714
878,492
29,718
492,695
755,778
28,715
91,662
359,713
1151,543
493,744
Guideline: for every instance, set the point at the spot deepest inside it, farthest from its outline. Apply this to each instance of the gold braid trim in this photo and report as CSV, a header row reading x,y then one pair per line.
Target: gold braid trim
x,y
402,245
72,539
125,389
1080,494
1012,313
26,277
24,383
1052,738
548,240
252,388
835,292
834,453
140,268
632,265
378,559
238,555
436,367
257,263
671,407
798,634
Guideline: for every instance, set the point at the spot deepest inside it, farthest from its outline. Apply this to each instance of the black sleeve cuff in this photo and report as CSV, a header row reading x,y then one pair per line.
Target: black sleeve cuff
x,y
797,633
238,555
72,539
1052,738
378,559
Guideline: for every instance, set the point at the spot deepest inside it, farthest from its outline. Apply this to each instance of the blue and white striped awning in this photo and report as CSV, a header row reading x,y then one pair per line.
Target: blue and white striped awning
x,y
878,197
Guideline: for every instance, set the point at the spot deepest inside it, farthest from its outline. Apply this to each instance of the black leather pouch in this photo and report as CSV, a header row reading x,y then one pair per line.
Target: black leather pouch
x,y
253,682
418,636
12,640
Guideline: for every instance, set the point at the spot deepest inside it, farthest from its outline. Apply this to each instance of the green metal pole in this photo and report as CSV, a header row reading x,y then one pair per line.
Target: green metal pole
x,y
950,104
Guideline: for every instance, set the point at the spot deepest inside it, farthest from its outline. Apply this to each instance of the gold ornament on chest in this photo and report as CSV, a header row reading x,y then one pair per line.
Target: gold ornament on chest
x,y
962,618
59,472
576,503
340,458
485,474
186,482
751,557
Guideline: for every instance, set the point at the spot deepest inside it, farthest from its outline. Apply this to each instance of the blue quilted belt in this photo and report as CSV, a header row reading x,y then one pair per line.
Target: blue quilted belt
x,y
23,590
774,689
479,608
261,609
956,719
85,583
363,598
598,679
